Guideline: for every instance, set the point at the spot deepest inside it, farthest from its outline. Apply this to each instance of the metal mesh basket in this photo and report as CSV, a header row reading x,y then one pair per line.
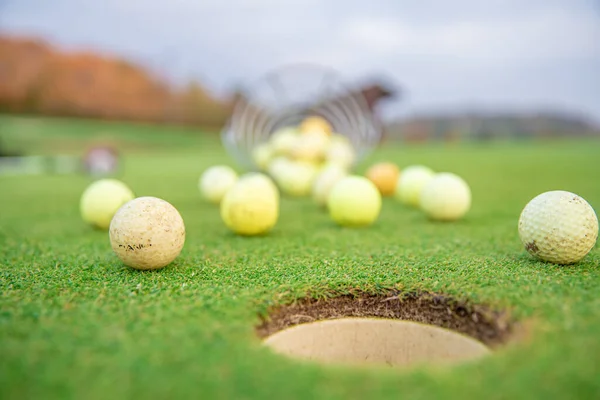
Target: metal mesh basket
x,y
285,97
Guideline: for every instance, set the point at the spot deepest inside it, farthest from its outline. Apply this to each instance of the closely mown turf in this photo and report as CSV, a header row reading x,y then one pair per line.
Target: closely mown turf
x,y
75,323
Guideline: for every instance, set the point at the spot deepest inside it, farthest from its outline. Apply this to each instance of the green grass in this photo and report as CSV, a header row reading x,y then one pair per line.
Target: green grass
x,y
74,323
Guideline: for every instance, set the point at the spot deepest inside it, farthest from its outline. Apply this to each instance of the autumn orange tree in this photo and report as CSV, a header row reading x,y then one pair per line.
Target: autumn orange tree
x,y
36,78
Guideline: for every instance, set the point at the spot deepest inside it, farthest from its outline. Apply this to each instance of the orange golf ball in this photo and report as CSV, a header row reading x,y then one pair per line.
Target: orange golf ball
x,y
385,176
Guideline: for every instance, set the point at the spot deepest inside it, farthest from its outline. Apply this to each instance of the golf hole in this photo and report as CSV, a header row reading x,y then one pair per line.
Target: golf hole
x,y
396,330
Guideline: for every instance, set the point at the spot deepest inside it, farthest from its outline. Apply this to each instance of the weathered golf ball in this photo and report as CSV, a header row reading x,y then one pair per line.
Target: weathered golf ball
x,y
328,176
354,201
101,200
251,206
411,182
216,181
385,176
446,197
147,233
559,227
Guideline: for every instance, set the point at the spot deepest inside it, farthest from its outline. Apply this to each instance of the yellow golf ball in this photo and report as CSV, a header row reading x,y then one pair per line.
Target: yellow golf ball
x,y
101,200
251,206
354,201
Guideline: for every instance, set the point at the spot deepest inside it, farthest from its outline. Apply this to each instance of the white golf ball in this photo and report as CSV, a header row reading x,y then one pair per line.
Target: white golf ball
x,y
328,176
354,201
251,206
101,200
147,233
216,181
340,151
446,197
411,182
559,227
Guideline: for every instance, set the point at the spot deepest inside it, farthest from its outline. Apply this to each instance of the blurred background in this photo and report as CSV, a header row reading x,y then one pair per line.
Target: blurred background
x,y
455,71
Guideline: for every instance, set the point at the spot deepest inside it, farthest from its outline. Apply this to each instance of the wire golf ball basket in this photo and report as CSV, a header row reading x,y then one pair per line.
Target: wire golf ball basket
x,y
287,96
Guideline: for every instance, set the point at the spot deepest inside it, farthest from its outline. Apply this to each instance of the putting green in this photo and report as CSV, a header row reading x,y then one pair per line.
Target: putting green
x,y
75,323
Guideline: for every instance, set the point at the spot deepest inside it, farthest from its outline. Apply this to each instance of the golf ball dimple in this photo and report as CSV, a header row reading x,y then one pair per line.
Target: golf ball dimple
x,y
446,197
101,200
216,181
559,227
147,233
411,182
354,201
251,206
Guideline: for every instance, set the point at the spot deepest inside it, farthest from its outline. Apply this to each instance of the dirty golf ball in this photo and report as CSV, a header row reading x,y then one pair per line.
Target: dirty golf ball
x,y
101,200
216,181
251,206
385,176
446,197
559,227
411,183
354,201
147,233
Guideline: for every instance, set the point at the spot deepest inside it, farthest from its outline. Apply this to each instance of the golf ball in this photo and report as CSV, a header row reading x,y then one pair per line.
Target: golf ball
x,y
354,201
310,147
446,197
411,182
101,200
147,233
315,124
216,181
251,206
385,176
261,155
283,141
340,151
328,176
297,178
559,227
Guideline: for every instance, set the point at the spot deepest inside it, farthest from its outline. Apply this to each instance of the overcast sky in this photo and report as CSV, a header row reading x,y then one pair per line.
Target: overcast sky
x,y
447,55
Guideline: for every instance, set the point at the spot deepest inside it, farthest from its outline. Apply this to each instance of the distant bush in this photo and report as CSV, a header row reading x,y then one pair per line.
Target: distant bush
x,y
36,78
